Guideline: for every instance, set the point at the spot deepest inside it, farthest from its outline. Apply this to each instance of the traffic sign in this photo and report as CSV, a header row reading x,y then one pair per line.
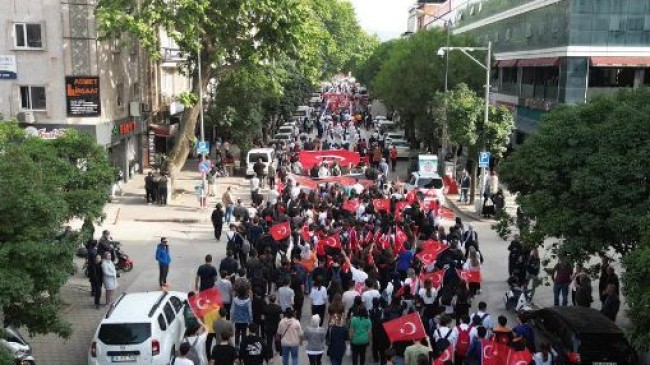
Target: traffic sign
x,y
484,159
202,147
205,166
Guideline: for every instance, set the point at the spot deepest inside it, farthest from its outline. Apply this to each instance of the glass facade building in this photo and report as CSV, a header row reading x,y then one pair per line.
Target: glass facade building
x,y
560,51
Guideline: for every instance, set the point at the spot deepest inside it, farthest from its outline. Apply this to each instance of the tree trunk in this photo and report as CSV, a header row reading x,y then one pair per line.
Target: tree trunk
x,y
181,150
472,188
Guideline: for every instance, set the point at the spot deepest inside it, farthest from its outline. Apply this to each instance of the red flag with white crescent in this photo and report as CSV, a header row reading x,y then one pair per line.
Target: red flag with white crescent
x,y
446,355
384,241
368,238
470,276
405,328
305,233
430,252
412,196
400,206
280,231
493,353
331,243
351,205
205,302
434,276
400,239
523,357
381,204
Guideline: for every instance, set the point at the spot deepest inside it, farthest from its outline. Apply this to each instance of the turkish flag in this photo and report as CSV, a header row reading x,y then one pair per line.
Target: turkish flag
x,y
351,205
494,353
400,239
381,204
434,276
470,276
405,328
305,233
331,244
519,357
446,213
368,238
412,196
280,231
383,241
446,355
205,302
431,251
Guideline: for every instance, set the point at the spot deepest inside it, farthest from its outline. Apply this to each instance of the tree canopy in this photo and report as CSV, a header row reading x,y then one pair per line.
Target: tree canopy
x,y
317,38
583,178
46,183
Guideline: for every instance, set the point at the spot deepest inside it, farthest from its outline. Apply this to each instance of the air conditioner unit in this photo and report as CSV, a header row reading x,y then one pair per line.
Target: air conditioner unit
x,y
26,117
134,109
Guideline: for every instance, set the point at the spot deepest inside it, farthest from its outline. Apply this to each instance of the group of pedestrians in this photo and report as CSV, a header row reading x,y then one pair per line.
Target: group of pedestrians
x,y
101,270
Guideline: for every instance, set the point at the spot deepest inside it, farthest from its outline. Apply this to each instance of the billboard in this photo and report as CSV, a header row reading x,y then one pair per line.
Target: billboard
x,y
82,96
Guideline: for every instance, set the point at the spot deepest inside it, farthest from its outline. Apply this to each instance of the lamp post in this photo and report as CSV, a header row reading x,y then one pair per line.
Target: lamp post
x,y
202,125
488,69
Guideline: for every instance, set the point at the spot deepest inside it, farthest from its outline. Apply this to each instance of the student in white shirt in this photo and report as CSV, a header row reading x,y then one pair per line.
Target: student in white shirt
x,y
318,296
545,356
369,294
348,296
443,330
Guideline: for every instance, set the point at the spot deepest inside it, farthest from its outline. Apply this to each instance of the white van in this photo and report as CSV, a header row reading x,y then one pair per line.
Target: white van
x,y
301,112
266,154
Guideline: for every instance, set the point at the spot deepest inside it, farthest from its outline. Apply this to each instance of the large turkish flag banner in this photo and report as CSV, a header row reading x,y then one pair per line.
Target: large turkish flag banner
x,y
344,158
434,276
447,355
494,353
280,231
351,205
405,328
430,251
519,357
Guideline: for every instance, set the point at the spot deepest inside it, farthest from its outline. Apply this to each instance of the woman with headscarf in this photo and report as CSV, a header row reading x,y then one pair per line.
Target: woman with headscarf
x,y
315,336
109,277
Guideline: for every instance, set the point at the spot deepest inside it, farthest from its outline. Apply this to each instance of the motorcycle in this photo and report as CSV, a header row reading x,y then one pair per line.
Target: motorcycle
x,y
123,263
16,345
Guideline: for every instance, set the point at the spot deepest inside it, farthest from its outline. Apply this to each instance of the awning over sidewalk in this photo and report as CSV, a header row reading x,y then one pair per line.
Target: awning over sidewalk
x,y
507,63
539,62
164,130
620,61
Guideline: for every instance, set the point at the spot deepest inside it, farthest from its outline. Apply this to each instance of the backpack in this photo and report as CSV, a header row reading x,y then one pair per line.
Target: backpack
x,y
478,318
232,245
463,342
245,246
441,343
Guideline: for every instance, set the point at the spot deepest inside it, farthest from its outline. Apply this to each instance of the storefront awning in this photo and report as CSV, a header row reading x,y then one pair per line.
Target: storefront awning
x,y
507,63
163,130
620,61
539,62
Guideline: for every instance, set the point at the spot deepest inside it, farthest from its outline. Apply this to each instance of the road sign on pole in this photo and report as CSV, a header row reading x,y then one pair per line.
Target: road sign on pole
x,y
205,166
203,147
484,159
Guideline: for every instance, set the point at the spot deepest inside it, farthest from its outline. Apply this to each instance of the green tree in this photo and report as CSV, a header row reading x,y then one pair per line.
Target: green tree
x,y
584,179
229,34
46,183
408,75
467,127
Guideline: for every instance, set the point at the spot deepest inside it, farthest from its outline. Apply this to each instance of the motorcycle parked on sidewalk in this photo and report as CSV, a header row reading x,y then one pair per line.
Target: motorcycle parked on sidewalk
x,y
15,344
123,263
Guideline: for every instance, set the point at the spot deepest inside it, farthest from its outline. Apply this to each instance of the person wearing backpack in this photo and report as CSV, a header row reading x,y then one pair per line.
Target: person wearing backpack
x,y
233,241
241,313
464,339
484,317
444,336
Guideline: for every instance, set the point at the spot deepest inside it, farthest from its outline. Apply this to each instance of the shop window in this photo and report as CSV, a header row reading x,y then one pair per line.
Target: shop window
x,y
32,98
120,94
611,77
28,35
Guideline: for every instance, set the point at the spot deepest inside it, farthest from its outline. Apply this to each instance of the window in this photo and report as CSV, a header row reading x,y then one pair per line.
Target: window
x,y
169,313
161,322
28,35
176,303
611,77
120,94
32,98
124,333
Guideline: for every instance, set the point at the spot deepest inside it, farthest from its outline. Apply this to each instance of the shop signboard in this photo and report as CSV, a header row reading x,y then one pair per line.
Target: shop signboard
x,y
82,96
8,69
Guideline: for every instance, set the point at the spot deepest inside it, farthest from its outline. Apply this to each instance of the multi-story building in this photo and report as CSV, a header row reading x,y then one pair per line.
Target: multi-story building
x,y
549,52
56,75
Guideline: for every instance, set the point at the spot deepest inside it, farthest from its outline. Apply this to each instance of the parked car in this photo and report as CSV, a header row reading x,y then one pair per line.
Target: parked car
x,y
403,148
266,154
14,343
582,336
282,137
142,328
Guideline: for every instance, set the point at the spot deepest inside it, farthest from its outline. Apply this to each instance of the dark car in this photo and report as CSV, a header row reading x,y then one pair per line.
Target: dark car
x,y
582,336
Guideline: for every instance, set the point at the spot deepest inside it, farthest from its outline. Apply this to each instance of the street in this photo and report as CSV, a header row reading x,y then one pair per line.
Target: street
x,y
189,231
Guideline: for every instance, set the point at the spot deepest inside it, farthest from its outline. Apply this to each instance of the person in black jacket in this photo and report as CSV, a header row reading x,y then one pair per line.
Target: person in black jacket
x,y
272,312
149,188
612,303
96,276
217,221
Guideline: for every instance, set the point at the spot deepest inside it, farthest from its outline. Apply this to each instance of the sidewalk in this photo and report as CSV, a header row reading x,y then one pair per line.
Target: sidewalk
x,y
469,211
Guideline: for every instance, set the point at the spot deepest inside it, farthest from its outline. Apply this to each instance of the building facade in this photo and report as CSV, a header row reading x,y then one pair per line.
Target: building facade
x,y
55,75
549,52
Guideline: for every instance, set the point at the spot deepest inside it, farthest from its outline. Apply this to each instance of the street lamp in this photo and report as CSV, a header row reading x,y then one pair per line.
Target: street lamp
x,y
488,69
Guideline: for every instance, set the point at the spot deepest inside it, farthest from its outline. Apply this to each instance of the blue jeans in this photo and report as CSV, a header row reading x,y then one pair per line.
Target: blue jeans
x,y
336,361
228,215
289,350
309,283
464,197
560,289
398,360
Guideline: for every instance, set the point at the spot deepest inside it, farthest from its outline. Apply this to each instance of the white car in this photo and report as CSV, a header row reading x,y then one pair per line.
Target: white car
x,y
141,328
403,148
286,129
395,135
431,185
282,137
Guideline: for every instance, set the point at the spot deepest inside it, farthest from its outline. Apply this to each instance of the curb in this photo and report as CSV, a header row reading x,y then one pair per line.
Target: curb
x,y
466,215
169,220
